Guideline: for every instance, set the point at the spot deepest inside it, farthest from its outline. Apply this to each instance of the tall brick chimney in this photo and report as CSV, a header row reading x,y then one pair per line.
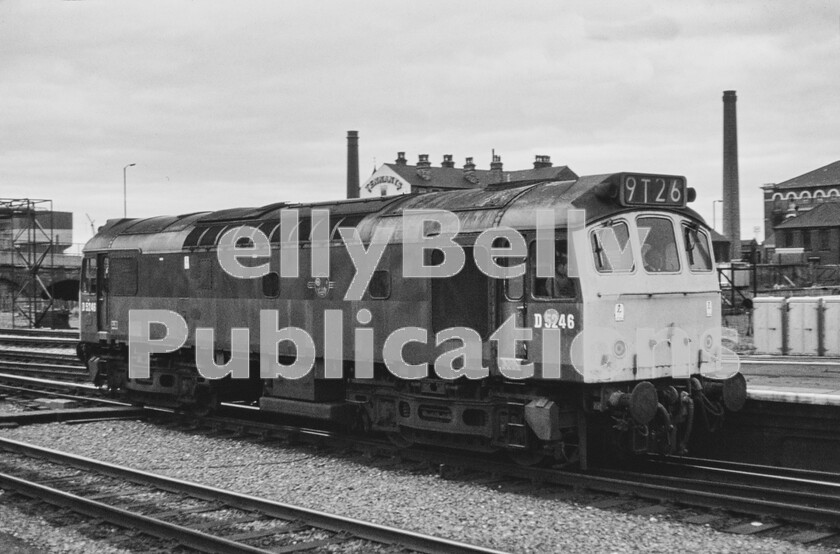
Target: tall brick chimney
x,y
731,205
352,164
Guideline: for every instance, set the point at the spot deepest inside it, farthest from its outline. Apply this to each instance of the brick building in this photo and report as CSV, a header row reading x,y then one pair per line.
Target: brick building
x,y
802,217
401,178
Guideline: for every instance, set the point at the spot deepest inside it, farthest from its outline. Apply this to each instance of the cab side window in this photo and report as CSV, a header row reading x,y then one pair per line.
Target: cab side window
x,y
89,275
697,248
611,250
560,285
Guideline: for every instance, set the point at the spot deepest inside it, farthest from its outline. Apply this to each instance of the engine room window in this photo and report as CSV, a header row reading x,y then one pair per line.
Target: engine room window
x,y
380,284
209,238
123,276
611,248
558,286
697,248
659,245
271,284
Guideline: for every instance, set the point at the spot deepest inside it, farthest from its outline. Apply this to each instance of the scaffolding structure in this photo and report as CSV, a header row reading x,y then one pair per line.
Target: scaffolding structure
x,y
26,248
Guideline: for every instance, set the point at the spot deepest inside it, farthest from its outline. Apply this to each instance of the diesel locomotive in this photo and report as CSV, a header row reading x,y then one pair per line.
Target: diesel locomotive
x,y
596,331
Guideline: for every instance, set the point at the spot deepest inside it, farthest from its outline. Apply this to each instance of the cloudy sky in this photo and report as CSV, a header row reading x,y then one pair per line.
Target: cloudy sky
x,y
224,104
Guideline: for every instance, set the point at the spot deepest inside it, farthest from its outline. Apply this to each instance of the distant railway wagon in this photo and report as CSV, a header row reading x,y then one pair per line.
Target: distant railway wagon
x,y
582,316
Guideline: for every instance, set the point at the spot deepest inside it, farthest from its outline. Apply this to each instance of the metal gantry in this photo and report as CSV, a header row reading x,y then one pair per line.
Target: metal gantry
x,y
28,246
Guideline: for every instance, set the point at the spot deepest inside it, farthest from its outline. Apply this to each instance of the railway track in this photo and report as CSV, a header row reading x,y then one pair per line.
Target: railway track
x,y
28,332
23,352
800,496
40,337
204,518
62,372
784,494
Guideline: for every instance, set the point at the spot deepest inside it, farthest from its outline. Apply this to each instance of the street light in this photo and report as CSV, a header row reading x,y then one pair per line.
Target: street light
x,y
125,202
714,218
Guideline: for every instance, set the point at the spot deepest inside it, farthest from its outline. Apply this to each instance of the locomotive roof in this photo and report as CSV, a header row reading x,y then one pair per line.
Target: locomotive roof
x,y
506,204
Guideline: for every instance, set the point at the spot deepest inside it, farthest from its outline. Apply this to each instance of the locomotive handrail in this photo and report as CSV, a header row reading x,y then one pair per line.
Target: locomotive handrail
x,y
668,293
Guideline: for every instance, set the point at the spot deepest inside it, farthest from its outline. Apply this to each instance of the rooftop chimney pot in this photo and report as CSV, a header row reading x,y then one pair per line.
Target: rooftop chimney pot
x,y
469,171
401,159
423,167
447,161
542,161
496,174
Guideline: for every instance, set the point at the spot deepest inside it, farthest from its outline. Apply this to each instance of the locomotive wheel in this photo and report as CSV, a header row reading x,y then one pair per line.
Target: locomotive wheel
x,y
398,440
207,404
527,458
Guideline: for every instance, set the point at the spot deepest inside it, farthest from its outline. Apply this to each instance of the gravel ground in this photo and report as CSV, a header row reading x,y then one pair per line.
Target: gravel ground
x,y
10,407
469,512
22,533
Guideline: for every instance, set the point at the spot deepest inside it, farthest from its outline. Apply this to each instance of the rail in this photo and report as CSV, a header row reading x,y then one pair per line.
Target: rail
x,y
286,515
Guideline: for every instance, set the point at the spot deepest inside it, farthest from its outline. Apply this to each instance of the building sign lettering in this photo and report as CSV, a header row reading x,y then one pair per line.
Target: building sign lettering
x,y
384,179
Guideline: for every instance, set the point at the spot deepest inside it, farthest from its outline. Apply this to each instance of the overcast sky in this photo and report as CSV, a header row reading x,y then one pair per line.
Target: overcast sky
x,y
224,104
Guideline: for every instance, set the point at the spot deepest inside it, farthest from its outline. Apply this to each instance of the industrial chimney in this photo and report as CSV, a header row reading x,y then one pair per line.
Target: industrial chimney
x,y
731,207
352,164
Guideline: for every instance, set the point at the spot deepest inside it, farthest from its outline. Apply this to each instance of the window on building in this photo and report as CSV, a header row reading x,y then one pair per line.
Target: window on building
x,y
788,237
806,239
825,239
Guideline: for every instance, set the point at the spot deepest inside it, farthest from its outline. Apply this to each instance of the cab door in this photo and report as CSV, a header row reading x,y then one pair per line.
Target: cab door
x,y
510,294
102,271
552,312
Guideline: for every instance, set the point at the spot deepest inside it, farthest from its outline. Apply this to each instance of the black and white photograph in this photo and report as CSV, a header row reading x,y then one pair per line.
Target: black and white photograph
x,y
469,277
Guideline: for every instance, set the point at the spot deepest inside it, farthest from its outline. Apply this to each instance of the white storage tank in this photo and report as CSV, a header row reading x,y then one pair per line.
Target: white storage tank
x,y
831,325
804,325
767,324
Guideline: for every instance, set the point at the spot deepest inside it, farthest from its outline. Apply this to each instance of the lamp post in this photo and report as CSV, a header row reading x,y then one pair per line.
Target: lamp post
x,y
714,217
125,201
